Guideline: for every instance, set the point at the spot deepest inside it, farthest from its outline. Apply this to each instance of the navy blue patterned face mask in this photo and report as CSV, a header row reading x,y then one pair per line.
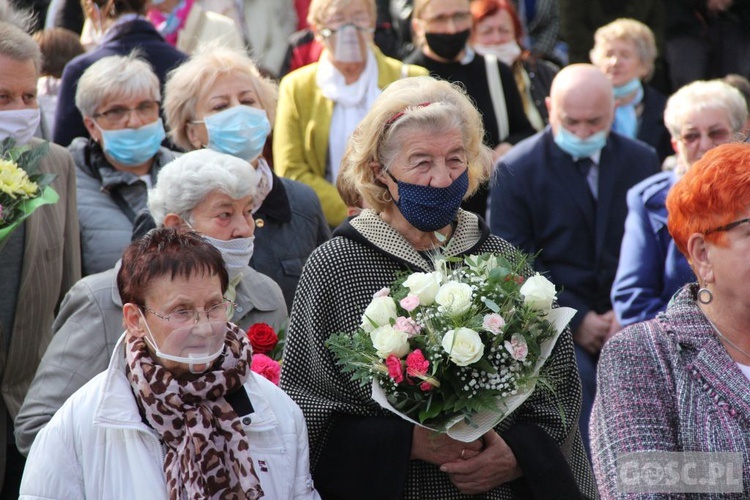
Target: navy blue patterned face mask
x,y
431,208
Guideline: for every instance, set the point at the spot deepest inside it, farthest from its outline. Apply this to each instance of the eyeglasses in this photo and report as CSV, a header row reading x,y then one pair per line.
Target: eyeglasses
x,y
718,136
362,21
218,312
443,20
119,115
727,227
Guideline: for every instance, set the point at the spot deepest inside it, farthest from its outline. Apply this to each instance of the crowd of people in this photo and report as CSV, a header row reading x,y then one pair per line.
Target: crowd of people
x,y
218,165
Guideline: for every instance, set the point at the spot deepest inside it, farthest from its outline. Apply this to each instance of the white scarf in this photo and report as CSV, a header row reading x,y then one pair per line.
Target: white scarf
x,y
351,103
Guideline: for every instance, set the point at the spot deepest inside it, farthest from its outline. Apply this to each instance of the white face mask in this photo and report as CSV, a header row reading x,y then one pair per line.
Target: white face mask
x,y
236,253
505,52
195,344
19,124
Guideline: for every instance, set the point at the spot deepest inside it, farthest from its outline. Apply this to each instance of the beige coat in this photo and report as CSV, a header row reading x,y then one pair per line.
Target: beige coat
x,y
51,265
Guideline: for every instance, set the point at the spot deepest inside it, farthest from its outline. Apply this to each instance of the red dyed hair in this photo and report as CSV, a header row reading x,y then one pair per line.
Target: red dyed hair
x,y
170,252
481,9
715,191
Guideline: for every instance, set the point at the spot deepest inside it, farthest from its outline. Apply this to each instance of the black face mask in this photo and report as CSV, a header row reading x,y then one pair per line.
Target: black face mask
x,y
447,45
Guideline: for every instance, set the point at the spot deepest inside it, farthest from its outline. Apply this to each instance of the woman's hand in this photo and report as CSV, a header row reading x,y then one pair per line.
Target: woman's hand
x,y
438,449
494,465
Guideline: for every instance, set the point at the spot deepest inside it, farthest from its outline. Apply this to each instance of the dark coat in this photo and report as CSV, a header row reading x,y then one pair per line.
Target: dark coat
x,y
651,128
541,203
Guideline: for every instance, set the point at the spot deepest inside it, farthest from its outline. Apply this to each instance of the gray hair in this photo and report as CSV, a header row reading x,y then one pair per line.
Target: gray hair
x,y
18,45
123,76
701,95
17,16
185,182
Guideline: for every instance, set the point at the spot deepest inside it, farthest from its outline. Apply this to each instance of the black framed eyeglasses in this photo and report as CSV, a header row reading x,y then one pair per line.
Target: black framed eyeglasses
x,y
728,227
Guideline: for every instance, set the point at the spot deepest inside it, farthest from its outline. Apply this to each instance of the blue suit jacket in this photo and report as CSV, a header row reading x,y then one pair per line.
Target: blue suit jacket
x,y
541,203
121,40
651,267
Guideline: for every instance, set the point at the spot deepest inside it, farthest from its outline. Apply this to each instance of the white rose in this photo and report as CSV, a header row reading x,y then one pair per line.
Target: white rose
x,y
424,285
455,297
463,345
379,313
387,340
538,293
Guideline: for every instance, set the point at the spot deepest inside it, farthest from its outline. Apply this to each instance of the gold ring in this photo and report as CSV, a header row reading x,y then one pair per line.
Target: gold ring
x,y
462,454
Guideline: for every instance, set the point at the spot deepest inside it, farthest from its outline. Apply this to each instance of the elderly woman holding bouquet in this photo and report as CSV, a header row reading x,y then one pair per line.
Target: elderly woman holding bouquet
x,y
679,382
414,157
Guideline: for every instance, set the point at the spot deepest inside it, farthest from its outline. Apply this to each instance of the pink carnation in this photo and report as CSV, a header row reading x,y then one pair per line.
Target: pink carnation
x,y
408,326
395,370
410,302
416,364
517,347
266,367
493,323
383,292
425,386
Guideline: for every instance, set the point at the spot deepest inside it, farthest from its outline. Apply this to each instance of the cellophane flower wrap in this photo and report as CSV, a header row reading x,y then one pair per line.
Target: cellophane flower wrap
x,y
23,188
458,349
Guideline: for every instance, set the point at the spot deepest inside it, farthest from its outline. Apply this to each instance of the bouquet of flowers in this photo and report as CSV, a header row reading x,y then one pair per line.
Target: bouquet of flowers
x,y
268,347
458,349
23,188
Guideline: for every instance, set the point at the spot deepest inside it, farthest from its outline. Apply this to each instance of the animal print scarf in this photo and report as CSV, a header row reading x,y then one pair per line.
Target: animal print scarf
x,y
207,450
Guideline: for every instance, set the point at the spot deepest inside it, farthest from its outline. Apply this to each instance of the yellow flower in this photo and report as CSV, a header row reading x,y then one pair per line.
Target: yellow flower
x,y
14,182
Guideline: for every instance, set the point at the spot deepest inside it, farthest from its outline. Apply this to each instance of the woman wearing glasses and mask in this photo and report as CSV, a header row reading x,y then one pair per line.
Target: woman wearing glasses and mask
x,y
321,104
679,383
178,413
204,190
118,97
651,269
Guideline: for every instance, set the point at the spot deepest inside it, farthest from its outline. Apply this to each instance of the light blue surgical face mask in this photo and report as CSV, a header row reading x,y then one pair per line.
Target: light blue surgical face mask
x,y
628,88
577,147
132,147
239,131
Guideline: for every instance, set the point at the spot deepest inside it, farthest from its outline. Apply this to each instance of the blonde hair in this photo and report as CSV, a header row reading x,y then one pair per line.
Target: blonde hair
x,y
631,31
412,104
187,83
320,10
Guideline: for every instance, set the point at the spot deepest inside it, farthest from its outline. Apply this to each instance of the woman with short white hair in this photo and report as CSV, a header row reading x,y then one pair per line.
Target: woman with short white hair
x,y
625,51
700,116
118,97
219,100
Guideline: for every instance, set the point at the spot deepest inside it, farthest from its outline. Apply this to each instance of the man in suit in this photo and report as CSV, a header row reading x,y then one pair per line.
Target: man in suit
x,y
562,193
41,259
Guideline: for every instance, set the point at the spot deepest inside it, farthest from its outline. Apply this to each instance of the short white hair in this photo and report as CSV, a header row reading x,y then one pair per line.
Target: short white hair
x,y
123,76
701,95
185,182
